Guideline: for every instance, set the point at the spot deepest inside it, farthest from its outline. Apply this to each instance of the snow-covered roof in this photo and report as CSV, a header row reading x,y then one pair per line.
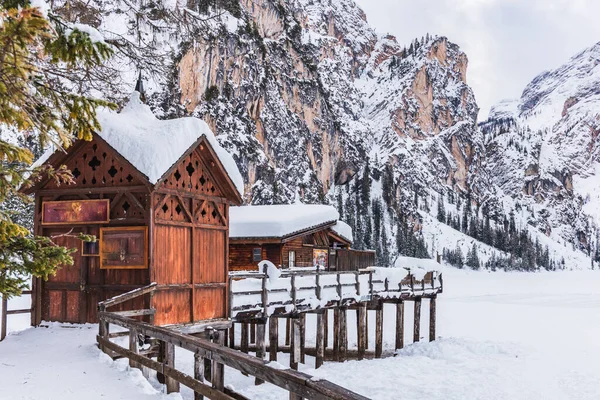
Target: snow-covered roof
x,y
276,221
152,145
344,230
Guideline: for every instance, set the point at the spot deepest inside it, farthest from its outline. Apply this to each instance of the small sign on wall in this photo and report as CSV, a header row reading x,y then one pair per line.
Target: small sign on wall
x,y
320,257
124,247
70,212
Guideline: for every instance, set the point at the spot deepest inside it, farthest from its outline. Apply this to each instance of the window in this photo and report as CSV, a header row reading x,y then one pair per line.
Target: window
x,y
256,254
292,259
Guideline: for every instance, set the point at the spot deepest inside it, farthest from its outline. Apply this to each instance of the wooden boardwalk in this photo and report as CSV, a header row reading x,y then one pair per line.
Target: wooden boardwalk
x,y
258,302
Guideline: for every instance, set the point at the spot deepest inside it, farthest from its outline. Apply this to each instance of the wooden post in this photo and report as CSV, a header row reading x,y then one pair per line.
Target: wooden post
x,y
302,319
232,336
252,333
295,343
172,384
218,369
244,338
362,330
343,339
273,338
326,329
161,358
417,326
133,346
4,318
432,318
320,345
287,331
261,348
198,373
400,325
336,334
379,330
207,362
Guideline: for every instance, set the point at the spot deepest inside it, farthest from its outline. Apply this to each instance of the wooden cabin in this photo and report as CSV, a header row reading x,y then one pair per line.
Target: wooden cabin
x,y
156,194
296,235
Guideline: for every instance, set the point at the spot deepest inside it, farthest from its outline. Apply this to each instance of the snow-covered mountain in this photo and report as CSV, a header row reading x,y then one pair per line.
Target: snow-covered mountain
x,y
544,151
314,104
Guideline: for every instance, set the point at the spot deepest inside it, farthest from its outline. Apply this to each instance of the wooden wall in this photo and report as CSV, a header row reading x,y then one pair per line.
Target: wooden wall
x,y
73,293
190,244
241,256
353,260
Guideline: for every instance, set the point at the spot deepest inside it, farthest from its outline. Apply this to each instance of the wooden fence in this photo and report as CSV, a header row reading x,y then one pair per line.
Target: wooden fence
x,y
210,356
6,312
252,294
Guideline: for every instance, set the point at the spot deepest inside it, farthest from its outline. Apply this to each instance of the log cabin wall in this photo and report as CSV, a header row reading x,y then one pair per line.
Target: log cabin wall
x,y
73,293
190,243
241,256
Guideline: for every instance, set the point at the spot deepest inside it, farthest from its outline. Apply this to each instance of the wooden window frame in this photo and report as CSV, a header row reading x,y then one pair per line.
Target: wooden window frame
x,y
254,254
124,229
84,254
291,258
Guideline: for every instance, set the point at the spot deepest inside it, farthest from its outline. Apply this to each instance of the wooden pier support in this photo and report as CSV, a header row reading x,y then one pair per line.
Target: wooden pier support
x,y
218,369
253,332
287,331
232,336
432,318
302,319
198,373
294,343
417,326
336,334
343,334
273,338
326,329
400,325
379,331
172,384
244,338
261,348
320,344
362,330
133,347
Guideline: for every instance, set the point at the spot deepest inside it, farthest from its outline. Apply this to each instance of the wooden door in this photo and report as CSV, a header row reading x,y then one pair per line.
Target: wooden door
x,y
210,272
63,296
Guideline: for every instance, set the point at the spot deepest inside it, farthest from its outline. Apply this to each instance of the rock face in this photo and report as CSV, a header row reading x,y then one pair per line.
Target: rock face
x,y
312,103
543,147
303,91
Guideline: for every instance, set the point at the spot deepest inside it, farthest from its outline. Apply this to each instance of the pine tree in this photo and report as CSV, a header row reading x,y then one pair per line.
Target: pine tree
x,y
441,211
385,251
340,205
35,52
473,258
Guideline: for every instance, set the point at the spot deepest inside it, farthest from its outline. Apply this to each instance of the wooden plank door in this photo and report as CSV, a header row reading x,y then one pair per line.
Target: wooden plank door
x,y
62,294
210,292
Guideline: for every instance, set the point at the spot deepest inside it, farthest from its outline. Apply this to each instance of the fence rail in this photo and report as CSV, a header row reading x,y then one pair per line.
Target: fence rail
x,y
253,293
6,312
210,357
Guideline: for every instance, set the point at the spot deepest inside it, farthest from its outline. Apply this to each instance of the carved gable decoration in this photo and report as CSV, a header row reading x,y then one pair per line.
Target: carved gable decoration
x,y
195,175
95,164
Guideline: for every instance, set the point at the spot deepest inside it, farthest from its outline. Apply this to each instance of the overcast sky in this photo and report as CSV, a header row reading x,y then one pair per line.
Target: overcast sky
x,y
508,42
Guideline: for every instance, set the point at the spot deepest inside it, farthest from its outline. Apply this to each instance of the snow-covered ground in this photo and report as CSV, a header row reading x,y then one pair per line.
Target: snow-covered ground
x,y
501,336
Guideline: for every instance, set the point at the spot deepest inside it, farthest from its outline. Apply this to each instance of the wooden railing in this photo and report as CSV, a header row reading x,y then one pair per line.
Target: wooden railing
x,y
251,294
210,357
6,312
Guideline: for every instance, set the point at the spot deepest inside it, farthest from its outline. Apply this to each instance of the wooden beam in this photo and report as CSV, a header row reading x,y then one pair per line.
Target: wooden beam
x,y
198,372
320,345
343,339
400,325
273,338
379,331
362,330
3,320
261,348
244,338
172,384
295,343
417,325
432,315
218,369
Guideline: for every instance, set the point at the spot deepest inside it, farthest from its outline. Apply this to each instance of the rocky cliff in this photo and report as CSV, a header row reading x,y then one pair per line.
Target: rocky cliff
x,y
314,105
